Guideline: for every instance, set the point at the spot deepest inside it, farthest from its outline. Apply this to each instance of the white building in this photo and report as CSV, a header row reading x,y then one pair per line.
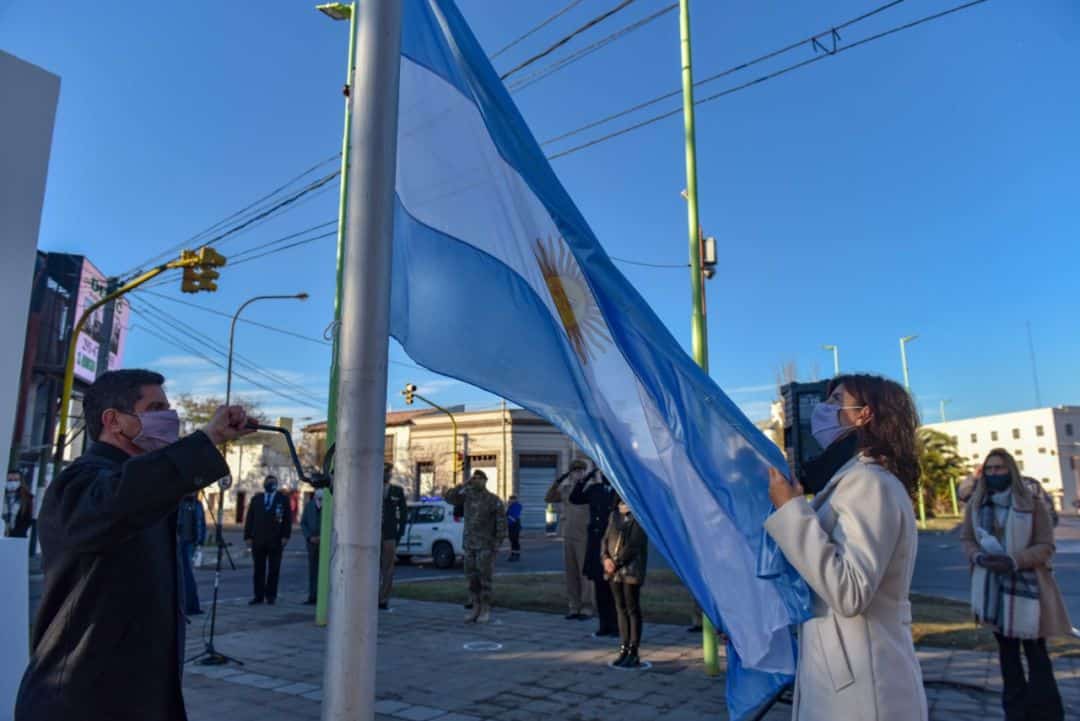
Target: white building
x,y
1045,442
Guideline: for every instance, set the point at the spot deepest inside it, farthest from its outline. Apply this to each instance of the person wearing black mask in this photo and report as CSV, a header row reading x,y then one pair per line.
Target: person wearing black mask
x,y
595,490
266,530
1008,537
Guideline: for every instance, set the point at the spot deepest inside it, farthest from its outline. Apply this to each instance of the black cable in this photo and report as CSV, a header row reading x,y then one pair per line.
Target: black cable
x,y
290,236
650,265
721,74
179,246
161,335
764,78
197,336
565,39
541,26
298,243
588,50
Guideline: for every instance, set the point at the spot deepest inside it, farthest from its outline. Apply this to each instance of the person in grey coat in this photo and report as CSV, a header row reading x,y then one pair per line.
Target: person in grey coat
x,y
855,545
625,554
310,526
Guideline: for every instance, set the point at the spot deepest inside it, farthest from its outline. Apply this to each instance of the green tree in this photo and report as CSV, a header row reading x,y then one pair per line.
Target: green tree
x,y
941,465
196,411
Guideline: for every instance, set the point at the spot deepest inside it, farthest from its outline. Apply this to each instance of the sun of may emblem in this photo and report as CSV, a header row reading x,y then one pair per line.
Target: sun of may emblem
x,y
573,300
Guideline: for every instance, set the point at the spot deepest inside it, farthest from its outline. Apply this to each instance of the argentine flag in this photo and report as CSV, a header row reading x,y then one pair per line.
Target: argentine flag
x,y
498,281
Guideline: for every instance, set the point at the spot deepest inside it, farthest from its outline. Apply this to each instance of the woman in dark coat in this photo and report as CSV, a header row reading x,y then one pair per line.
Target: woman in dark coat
x,y
595,490
625,553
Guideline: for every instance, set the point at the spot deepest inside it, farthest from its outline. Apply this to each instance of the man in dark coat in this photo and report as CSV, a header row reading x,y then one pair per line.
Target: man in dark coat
x,y
266,530
109,635
311,526
394,516
191,532
596,491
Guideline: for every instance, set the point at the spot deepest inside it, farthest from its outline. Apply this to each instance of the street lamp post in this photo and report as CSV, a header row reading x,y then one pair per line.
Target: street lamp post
x,y
944,402
907,385
336,11
952,484
211,657
835,357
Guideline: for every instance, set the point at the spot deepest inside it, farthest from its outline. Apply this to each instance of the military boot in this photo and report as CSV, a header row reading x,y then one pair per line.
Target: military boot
x,y
474,611
485,613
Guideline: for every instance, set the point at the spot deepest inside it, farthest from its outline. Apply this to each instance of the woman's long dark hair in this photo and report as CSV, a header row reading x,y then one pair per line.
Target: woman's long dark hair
x,y
889,436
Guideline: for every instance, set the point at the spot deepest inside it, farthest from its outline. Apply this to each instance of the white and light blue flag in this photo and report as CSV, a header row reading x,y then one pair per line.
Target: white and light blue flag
x,y
499,281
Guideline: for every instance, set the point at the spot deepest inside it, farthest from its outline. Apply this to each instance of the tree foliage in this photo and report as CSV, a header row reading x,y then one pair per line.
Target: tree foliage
x,y
941,466
196,411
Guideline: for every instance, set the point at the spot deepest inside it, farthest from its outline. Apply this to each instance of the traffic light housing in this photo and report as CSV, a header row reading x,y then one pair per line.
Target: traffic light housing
x,y
190,281
210,258
409,392
459,462
199,273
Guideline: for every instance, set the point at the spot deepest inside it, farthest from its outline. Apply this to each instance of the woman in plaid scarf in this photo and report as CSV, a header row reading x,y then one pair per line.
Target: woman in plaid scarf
x,y
1008,536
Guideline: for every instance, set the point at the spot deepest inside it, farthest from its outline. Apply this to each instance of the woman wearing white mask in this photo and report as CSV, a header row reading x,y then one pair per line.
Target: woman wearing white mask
x,y
1008,536
855,545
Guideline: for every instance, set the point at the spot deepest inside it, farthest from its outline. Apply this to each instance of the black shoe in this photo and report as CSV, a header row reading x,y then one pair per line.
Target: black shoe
x,y
271,601
631,660
468,606
624,651
694,629
255,602
384,606
309,602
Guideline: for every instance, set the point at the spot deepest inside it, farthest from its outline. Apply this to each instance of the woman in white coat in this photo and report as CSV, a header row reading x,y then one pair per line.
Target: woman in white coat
x,y
855,545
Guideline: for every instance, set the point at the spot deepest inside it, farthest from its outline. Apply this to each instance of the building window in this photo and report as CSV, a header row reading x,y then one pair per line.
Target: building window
x,y
1016,433
955,440
1021,464
1042,450
1018,452
993,435
1046,481
974,438
1039,431
388,449
1068,429
974,456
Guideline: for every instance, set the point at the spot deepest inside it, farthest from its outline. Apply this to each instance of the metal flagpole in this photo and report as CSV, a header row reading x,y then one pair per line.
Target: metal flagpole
x,y
698,330
349,676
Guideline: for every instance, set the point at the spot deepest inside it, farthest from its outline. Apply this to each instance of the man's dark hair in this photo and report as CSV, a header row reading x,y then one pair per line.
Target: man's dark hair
x,y
115,389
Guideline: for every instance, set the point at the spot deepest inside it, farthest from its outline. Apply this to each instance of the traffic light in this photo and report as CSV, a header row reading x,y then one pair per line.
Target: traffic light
x,y
409,392
207,278
210,258
190,282
459,462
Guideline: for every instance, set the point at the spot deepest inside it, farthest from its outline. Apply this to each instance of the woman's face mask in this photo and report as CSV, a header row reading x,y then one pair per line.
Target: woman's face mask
x,y
624,509
825,424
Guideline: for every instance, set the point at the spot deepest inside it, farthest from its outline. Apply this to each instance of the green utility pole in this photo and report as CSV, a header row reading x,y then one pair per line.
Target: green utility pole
x,y
698,330
336,11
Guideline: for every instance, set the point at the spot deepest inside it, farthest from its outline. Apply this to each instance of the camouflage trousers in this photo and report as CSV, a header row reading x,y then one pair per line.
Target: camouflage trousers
x,y
480,570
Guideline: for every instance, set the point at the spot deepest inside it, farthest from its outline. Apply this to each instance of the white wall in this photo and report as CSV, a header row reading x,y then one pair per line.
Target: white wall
x,y
1043,457
26,125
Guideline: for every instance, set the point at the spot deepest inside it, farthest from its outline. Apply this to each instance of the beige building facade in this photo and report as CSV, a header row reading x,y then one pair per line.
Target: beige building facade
x,y
520,452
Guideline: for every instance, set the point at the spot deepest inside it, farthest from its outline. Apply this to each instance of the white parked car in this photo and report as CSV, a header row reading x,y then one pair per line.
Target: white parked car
x,y
432,531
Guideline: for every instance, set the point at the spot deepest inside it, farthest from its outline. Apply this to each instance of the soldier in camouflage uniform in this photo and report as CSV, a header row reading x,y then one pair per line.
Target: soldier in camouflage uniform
x,y
485,531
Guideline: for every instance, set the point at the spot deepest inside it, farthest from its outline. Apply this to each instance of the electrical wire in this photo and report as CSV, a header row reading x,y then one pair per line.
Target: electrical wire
x,y
240,256
541,26
264,198
764,78
197,336
650,265
165,337
722,74
588,50
565,39
297,244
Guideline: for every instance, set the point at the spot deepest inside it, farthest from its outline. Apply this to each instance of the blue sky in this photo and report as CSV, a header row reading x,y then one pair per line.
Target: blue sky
x,y
924,184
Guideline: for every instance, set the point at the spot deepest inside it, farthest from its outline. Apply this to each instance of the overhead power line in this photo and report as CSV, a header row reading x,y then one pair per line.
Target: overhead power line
x,y
588,50
240,256
565,39
297,244
649,265
166,253
539,27
724,73
770,76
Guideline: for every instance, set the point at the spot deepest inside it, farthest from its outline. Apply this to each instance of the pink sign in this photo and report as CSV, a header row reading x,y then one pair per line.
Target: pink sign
x,y
92,287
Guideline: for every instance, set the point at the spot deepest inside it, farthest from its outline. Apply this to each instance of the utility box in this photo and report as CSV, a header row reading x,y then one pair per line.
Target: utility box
x,y
799,401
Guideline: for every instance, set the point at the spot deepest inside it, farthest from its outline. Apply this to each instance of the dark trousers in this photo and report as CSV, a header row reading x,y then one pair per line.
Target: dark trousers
x,y
628,610
191,591
1035,698
515,536
605,607
266,584
313,569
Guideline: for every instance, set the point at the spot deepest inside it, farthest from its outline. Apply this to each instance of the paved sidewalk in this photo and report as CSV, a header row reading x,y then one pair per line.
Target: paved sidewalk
x,y
524,667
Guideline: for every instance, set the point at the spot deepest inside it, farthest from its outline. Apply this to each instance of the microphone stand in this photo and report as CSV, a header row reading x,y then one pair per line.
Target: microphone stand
x,y
211,656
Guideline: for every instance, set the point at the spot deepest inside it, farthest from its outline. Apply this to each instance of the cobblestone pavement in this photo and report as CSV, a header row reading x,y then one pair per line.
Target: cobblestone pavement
x,y
524,667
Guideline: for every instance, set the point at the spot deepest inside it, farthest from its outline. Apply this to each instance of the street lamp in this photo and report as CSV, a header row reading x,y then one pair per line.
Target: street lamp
x,y
944,402
903,357
232,332
835,357
336,11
